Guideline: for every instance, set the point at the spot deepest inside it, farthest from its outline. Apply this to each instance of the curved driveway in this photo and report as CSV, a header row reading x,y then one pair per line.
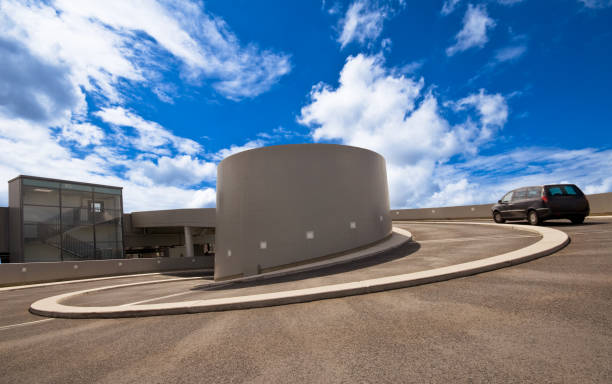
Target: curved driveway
x,y
546,320
434,246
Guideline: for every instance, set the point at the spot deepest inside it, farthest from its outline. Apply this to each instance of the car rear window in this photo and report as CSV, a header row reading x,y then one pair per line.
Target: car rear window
x,y
570,190
563,190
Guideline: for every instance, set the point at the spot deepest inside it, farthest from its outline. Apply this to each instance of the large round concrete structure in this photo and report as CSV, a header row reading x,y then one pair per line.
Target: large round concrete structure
x,y
284,205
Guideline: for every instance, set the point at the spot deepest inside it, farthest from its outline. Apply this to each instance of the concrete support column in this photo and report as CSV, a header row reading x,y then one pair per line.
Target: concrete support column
x,y
188,242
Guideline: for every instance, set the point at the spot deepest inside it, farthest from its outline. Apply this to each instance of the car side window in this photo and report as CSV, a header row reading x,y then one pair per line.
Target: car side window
x,y
507,198
533,193
521,194
570,190
554,191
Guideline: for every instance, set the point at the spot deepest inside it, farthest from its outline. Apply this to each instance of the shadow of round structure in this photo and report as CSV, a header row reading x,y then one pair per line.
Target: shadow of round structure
x,y
285,205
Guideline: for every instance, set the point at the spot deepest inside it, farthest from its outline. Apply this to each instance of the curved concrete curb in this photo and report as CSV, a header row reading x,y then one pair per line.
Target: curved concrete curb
x,y
51,306
552,240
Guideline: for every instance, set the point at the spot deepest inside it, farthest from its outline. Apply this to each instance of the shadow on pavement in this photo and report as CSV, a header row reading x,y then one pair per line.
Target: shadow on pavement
x,y
402,251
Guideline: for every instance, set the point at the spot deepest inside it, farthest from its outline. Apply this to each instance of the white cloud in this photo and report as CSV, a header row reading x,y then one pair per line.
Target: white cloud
x,y
487,178
449,6
431,162
596,3
510,53
151,137
225,152
34,88
111,32
83,134
182,170
56,53
492,109
380,109
35,151
363,22
476,24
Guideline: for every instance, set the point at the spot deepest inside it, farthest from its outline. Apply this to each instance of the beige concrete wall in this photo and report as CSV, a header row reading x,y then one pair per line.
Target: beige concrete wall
x,y
197,217
271,200
600,203
25,273
4,230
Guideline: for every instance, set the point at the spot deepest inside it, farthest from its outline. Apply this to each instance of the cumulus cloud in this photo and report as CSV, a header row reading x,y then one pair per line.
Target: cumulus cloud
x,y
492,109
182,170
381,109
363,22
61,58
150,136
123,39
233,149
33,88
83,134
430,161
476,24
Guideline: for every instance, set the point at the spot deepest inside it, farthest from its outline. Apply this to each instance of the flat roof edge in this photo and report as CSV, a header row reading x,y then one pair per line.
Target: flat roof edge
x,y
63,181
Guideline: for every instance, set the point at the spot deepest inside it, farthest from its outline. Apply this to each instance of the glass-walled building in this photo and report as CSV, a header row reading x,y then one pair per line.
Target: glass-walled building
x,y
58,220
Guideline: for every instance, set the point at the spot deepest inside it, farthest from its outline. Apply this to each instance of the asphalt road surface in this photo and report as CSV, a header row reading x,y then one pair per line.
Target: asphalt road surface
x,y
548,320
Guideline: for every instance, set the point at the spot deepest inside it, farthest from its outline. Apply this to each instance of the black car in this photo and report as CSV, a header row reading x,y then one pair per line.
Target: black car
x,y
536,204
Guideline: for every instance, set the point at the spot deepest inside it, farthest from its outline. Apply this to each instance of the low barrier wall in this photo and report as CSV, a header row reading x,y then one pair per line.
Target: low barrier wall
x,y
601,203
26,273
4,227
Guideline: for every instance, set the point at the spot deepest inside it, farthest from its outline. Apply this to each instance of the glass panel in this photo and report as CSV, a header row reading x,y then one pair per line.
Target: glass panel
x,y
108,239
108,191
554,191
41,183
77,187
41,235
508,197
38,195
107,207
78,243
76,208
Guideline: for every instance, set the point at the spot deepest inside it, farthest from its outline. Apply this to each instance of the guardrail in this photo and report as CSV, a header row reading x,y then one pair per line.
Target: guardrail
x,y
601,203
27,273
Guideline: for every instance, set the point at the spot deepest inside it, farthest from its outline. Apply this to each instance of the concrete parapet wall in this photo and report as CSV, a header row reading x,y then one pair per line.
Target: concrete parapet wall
x,y
4,230
601,203
197,217
26,273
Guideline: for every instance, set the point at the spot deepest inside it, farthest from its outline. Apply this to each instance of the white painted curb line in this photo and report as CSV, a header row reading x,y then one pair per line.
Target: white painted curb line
x,y
86,280
552,240
398,238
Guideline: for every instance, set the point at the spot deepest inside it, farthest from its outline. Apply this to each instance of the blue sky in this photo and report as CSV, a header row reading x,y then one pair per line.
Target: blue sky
x,y
465,99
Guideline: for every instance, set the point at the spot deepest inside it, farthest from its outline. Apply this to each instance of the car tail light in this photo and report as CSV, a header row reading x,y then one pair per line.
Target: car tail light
x,y
545,199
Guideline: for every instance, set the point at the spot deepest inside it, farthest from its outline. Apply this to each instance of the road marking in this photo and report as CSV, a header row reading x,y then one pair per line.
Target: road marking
x,y
23,324
156,298
459,239
17,287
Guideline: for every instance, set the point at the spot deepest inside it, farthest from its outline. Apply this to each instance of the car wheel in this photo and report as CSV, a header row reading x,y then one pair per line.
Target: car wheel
x,y
497,217
533,217
577,219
